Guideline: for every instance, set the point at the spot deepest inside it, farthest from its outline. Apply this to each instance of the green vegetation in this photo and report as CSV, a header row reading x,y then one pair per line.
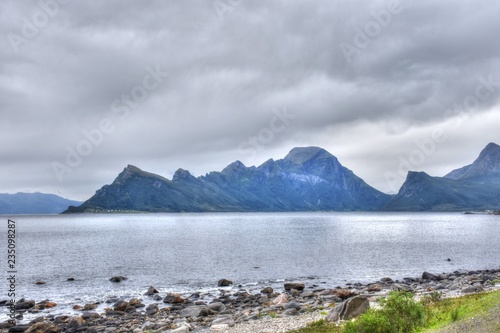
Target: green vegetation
x,y
401,313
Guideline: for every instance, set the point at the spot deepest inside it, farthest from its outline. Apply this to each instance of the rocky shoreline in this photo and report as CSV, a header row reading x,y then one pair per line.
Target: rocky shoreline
x,y
240,310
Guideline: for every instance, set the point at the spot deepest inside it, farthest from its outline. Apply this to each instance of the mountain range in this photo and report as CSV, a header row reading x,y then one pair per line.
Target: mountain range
x,y
307,179
472,187
33,203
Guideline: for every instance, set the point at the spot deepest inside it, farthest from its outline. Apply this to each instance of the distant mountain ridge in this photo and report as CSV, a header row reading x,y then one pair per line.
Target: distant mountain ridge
x,y
33,203
486,168
473,187
307,179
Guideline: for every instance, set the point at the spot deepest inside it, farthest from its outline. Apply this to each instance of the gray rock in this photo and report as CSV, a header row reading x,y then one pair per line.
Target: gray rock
x,y
351,308
223,321
195,311
290,312
19,328
307,294
442,277
472,289
22,304
267,290
217,307
224,283
115,313
182,329
173,298
263,299
87,315
151,291
400,287
296,286
152,309
292,305
429,276
120,306
118,279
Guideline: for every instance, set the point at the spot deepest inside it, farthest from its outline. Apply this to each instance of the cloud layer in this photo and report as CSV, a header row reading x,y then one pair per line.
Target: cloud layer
x,y
199,84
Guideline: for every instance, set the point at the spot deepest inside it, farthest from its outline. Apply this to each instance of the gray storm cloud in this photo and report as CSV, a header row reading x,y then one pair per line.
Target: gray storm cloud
x,y
370,81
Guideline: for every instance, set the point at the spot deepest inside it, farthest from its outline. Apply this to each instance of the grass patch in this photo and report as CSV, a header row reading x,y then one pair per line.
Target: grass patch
x,y
401,313
453,309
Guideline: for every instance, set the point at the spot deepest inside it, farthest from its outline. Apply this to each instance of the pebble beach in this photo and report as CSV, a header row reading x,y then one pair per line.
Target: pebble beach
x,y
234,309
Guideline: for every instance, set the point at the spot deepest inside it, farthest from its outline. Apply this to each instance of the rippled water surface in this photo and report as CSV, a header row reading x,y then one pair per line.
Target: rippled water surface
x,y
183,252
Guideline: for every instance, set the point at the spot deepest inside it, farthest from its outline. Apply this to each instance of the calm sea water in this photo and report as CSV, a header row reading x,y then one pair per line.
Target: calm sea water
x,y
186,252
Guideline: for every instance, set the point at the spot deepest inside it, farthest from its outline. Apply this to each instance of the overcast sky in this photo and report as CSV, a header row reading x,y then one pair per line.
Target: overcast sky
x,y
87,87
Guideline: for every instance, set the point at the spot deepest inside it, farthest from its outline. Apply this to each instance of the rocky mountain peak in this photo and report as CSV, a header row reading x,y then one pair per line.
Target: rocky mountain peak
x,y
485,168
235,167
182,174
301,155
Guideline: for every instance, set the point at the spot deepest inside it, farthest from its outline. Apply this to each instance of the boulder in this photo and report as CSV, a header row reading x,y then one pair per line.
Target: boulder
x,y
120,306
400,287
76,322
151,291
296,286
219,328
267,290
290,312
217,307
374,287
6,324
118,279
349,309
130,309
19,328
152,309
89,307
292,305
39,283
46,305
429,276
173,299
136,302
343,293
224,283
182,329
111,313
472,289
442,277
23,304
89,315
195,311
43,328
223,321
281,299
